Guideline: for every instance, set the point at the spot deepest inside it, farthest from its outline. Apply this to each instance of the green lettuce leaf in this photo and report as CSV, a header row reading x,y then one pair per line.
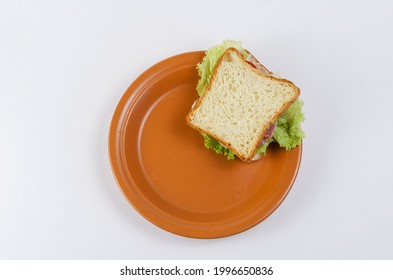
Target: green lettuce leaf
x,y
262,149
213,144
288,133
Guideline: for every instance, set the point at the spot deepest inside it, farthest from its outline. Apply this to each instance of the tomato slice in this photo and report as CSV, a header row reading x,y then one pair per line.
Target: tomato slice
x,y
251,64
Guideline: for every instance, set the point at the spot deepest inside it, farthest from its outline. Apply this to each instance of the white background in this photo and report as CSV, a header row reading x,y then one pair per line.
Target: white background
x,y
64,65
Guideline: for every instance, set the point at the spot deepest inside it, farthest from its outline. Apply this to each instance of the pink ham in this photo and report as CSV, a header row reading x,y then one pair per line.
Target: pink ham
x,y
269,134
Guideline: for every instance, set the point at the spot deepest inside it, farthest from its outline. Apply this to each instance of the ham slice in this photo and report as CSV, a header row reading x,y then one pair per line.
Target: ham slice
x,y
270,132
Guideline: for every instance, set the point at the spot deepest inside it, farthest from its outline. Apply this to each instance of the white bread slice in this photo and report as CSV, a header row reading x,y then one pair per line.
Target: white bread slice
x,y
240,104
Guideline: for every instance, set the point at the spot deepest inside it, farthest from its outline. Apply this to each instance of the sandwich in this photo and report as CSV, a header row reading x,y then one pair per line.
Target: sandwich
x,y
243,107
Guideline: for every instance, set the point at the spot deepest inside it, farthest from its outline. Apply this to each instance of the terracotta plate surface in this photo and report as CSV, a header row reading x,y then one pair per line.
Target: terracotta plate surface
x,y
169,177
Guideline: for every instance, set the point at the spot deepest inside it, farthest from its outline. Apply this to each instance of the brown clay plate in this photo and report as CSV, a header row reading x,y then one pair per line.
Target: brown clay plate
x,y
170,178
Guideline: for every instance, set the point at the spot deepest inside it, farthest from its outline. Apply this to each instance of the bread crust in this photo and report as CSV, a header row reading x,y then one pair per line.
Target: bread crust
x,y
247,158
